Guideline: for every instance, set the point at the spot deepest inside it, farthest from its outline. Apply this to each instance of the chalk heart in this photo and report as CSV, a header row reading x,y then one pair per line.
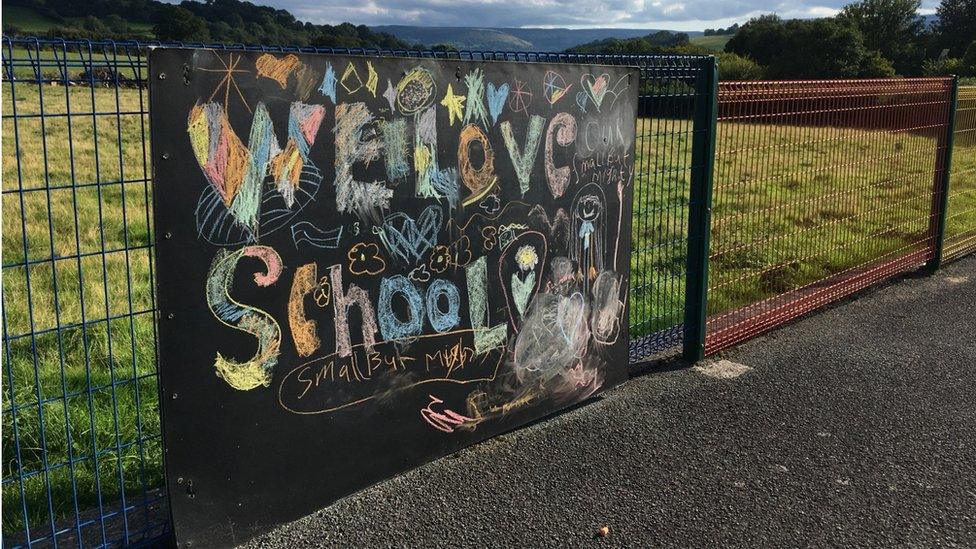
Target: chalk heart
x,y
596,86
496,99
409,238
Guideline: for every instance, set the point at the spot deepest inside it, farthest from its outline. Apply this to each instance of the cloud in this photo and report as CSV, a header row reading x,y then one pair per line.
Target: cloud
x,y
672,14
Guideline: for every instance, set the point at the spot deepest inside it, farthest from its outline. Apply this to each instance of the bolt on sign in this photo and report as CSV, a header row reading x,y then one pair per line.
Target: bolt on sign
x,y
366,263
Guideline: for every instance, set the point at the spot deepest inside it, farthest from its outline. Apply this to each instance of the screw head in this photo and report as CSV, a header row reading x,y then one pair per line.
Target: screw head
x,y
168,235
179,480
175,396
162,76
165,156
171,316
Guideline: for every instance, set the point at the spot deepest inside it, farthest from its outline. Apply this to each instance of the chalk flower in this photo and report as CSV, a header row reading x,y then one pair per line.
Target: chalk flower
x,y
526,258
364,259
440,259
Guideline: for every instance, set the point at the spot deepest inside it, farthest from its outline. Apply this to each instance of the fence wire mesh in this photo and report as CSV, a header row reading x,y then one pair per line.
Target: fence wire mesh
x,y
960,231
821,188
82,449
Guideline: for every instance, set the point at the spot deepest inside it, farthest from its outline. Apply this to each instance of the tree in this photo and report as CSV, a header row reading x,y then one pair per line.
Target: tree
x,y
656,42
735,67
179,24
891,27
956,27
762,38
969,60
811,48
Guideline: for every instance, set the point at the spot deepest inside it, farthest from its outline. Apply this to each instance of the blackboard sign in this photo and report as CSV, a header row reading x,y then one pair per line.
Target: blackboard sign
x,y
365,263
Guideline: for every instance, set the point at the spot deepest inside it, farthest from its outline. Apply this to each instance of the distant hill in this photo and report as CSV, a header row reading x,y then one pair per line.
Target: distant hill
x,y
230,21
508,39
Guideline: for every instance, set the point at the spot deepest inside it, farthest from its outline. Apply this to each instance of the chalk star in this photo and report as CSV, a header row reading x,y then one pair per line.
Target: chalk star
x,y
228,71
521,97
454,104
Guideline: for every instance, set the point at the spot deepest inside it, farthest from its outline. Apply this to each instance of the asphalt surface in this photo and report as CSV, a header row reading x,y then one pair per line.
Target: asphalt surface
x,y
855,426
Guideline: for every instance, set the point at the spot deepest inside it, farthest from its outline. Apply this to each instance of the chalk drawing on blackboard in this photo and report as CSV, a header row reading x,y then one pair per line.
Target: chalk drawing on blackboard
x,y
589,225
518,272
390,94
596,87
365,259
562,128
366,199
491,204
443,419
372,78
523,159
608,304
227,82
475,108
440,259
305,231
329,81
408,239
581,100
277,68
237,206
419,273
304,331
350,80
258,370
454,104
415,91
496,99
521,97
310,388
482,179
554,87
462,271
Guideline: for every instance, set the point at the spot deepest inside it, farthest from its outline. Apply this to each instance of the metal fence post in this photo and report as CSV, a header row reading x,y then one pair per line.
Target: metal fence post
x,y
700,210
943,170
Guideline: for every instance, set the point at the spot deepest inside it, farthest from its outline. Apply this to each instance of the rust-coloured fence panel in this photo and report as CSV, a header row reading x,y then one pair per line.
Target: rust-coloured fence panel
x,y
821,188
960,233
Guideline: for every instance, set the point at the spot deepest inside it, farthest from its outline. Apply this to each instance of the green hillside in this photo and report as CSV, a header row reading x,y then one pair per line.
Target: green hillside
x,y
27,20
714,42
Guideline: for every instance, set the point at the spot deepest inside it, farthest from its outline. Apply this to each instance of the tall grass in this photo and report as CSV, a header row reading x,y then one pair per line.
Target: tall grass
x,y
80,411
793,205
961,214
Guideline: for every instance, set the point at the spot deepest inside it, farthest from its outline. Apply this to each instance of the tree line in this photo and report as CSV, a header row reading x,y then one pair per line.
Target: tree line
x,y
868,38
734,28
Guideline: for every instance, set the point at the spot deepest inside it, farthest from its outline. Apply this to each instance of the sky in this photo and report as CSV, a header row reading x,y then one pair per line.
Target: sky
x,y
668,14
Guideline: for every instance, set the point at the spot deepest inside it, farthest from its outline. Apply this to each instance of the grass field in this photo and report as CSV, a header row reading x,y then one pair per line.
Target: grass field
x,y
961,215
50,61
795,205
26,19
97,384
30,21
715,43
96,381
